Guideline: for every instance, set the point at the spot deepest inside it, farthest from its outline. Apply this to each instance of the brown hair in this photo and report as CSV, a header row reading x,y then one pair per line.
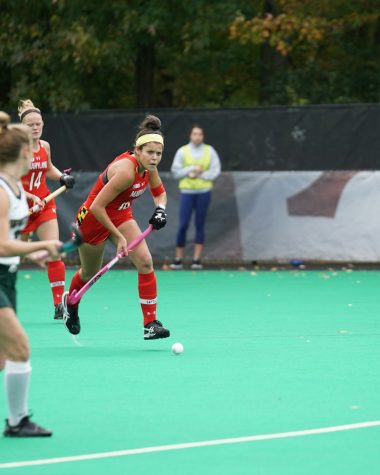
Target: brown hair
x,y
12,138
150,125
25,107
196,126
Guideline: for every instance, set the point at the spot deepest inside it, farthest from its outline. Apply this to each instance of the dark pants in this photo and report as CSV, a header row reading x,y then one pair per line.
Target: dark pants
x,y
7,287
189,202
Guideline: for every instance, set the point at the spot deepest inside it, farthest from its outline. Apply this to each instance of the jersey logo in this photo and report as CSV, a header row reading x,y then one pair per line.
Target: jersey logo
x,y
124,205
17,225
135,194
38,165
81,215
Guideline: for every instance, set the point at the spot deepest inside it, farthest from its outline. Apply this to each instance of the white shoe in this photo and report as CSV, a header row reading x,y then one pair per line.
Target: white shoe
x,y
196,265
176,265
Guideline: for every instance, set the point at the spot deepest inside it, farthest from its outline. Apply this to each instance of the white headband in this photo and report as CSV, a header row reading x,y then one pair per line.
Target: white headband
x,y
149,138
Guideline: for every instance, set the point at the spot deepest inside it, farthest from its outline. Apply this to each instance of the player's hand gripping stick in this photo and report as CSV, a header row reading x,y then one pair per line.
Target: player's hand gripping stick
x,y
75,296
48,198
66,247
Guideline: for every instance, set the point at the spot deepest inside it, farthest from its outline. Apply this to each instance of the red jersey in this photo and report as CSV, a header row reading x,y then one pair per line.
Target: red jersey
x,y
125,198
35,180
118,210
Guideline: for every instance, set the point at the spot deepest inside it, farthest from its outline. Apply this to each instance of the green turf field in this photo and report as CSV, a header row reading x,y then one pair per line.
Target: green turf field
x,y
275,354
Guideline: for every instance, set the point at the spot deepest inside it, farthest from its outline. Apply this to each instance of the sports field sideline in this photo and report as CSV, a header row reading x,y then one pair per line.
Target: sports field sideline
x,y
280,375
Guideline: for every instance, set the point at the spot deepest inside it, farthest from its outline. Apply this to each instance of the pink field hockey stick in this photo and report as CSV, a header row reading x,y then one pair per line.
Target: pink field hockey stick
x,y
75,296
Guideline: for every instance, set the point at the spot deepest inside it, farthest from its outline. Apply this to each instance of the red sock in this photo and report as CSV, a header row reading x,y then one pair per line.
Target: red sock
x,y
56,275
76,284
148,296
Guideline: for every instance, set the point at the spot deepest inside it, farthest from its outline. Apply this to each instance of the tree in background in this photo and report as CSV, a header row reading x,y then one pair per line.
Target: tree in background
x,y
71,55
316,52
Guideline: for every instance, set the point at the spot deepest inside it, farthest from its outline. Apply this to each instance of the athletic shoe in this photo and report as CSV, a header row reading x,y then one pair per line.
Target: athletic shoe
x,y
70,316
176,265
196,265
25,428
154,330
58,312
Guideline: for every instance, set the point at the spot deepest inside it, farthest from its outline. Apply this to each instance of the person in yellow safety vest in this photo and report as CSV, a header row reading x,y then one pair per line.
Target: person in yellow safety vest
x,y
196,165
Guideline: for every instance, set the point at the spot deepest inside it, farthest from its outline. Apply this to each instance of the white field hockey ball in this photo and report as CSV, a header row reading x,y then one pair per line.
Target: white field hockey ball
x,y
177,348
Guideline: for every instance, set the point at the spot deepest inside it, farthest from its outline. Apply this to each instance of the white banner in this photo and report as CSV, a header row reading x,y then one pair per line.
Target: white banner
x,y
272,216
329,216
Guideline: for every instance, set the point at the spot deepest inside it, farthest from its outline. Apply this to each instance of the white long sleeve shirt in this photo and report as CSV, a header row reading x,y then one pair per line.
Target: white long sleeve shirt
x,y
180,171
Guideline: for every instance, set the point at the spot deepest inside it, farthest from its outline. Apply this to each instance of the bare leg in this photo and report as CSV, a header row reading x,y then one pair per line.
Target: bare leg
x,y
14,343
91,259
147,285
179,253
198,248
48,230
14,355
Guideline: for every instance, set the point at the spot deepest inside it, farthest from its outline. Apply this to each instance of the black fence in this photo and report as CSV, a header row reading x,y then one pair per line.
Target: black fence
x,y
263,139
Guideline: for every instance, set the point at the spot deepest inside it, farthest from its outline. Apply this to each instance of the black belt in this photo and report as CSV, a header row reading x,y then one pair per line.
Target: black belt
x,y
11,268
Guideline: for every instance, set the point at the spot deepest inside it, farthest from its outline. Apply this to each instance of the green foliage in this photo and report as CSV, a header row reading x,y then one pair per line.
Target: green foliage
x,y
320,51
89,54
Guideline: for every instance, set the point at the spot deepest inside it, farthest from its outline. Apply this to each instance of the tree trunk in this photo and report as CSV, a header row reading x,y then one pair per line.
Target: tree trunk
x,y
5,84
145,76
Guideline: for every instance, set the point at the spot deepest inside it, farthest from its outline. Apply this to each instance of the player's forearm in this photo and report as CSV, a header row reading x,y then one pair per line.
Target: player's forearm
x,y
161,200
53,173
20,248
29,196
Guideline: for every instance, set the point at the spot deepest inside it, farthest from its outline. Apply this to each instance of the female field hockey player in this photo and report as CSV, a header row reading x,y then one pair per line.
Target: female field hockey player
x,y
15,159
44,222
107,213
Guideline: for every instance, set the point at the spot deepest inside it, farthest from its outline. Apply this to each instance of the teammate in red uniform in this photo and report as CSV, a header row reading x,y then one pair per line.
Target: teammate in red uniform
x,y
107,213
44,223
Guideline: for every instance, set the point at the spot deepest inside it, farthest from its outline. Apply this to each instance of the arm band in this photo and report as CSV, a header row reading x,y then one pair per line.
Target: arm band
x,y
158,190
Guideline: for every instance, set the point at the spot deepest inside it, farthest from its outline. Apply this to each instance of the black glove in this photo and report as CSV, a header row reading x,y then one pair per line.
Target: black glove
x,y
158,220
67,180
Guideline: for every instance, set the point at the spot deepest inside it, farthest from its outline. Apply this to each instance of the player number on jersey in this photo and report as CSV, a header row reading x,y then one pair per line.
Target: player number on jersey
x,y
35,180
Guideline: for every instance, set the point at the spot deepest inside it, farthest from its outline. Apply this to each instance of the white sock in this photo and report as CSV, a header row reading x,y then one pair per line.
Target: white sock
x,y
16,383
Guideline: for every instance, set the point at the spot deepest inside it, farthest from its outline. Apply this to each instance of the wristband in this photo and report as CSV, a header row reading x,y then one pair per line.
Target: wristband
x,y
158,190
